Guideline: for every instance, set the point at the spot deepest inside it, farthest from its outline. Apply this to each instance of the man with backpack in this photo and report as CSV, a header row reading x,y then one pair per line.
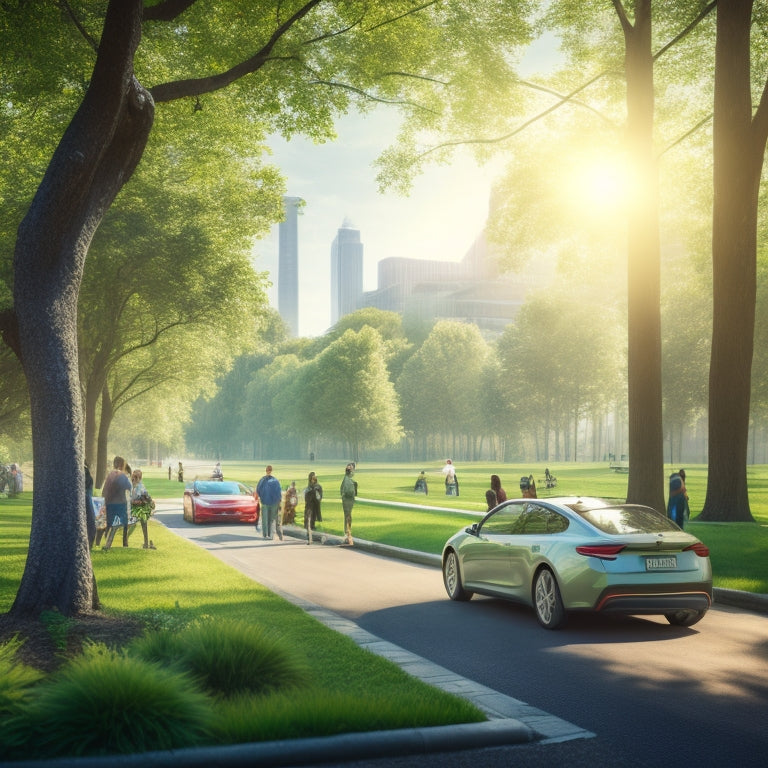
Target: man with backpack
x,y
270,493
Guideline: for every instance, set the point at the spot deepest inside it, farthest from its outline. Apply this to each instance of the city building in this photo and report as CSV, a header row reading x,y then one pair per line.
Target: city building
x,y
288,264
346,271
472,290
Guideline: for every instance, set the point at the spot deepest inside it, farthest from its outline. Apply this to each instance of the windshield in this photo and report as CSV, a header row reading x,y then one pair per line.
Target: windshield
x,y
625,518
217,488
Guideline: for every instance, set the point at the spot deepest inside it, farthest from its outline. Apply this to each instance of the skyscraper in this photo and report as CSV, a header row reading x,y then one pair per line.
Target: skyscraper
x,y
288,265
346,271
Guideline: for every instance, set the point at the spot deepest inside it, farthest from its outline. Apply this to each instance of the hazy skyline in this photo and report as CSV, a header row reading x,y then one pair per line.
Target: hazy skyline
x,y
441,218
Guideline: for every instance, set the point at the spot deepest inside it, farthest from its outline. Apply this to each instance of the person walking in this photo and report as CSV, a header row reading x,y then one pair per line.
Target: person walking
x,y
117,493
142,505
451,481
270,493
678,498
290,503
313,496
348,492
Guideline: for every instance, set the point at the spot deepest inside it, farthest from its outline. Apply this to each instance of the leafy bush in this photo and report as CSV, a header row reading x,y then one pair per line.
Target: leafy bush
x,y
226,658
104,702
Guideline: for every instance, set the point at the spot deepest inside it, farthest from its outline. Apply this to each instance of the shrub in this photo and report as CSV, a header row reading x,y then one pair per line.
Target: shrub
x,y
16,679
227,658
104,702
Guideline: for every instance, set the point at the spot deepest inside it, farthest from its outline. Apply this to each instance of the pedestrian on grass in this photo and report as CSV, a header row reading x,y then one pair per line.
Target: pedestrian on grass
x,y
451,481
117,493
421,484
142,505
348,492
497,489
678,498
270,493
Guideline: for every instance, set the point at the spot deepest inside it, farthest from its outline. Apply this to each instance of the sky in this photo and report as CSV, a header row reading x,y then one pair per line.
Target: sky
x,y
444,213
440,219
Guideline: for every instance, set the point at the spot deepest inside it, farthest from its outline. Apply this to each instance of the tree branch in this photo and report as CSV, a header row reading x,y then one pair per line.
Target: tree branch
x,y
622,14
67,8
370,96
523,126
677,38
195,86
167,10
402,15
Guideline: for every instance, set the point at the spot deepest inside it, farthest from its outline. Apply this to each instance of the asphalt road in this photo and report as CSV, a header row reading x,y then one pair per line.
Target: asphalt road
x,y
653,694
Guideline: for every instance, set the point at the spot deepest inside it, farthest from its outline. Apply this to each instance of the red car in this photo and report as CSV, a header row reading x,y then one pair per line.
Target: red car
x,y
216,501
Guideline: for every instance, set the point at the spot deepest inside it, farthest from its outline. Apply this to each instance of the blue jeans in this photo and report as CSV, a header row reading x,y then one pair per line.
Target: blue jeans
x,y
268,519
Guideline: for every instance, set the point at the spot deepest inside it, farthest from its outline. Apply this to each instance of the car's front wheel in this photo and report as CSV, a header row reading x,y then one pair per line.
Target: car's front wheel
x,y
684,618
547,601
452,578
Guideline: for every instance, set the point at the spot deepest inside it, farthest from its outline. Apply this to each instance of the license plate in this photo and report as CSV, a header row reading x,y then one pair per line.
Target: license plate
x,y
661,563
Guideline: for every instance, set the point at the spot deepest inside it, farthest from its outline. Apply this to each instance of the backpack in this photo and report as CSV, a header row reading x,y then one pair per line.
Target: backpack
x,y
675,482
348,487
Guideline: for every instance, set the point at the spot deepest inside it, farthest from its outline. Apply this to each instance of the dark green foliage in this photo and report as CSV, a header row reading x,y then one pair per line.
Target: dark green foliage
x,y
16,679
102,703
227,658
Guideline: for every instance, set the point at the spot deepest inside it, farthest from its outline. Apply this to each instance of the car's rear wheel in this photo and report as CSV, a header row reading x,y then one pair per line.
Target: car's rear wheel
x,y
684,618
547,601
452,578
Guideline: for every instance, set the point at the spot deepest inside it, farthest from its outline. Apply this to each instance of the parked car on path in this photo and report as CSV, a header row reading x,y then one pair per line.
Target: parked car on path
x,y
220,501
581,554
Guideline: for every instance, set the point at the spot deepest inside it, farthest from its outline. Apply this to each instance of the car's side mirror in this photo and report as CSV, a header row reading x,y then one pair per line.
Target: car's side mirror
x,y
472,530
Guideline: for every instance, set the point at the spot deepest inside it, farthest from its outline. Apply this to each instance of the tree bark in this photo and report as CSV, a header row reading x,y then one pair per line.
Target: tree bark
x,y
739,147
646,437
95,158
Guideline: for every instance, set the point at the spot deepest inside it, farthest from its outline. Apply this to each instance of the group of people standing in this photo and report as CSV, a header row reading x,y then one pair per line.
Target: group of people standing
x,y
272,497
125,496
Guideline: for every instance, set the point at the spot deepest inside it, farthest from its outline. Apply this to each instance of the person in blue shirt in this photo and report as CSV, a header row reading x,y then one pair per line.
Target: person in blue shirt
x,y
270,493
678,498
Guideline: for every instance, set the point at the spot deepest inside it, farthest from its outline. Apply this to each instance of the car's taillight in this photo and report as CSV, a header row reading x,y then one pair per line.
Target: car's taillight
x,y
603,551
702,550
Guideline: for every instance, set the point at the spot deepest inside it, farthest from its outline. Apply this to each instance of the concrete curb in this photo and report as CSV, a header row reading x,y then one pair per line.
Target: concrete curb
x,y
330,749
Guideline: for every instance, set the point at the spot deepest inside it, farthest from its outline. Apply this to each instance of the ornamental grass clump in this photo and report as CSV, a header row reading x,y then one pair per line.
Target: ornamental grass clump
x,y
227,658
104,702
16,678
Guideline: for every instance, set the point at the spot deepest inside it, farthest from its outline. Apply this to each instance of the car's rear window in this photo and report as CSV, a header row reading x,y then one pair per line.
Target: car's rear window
x,y
218,488
625,518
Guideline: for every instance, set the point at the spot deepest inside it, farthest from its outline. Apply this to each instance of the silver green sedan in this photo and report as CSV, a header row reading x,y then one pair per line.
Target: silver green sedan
x,y
581,554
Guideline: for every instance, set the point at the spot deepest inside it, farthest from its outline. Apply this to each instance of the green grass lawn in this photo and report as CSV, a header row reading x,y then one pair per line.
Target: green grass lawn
x,y
179,584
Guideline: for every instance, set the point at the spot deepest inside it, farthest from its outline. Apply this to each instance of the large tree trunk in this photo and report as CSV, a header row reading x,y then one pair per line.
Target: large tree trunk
x,y
95,157
646,437
739,147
